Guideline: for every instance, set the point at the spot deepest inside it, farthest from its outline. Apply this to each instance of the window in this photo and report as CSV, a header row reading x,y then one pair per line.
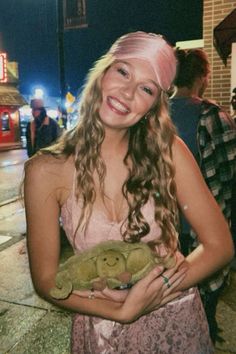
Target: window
x,y
74,14
5,120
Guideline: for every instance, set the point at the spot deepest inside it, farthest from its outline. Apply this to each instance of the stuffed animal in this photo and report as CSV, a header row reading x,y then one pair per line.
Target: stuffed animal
x,y
115,264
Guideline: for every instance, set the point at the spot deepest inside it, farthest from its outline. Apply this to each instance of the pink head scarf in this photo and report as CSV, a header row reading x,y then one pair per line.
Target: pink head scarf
x,y
152,48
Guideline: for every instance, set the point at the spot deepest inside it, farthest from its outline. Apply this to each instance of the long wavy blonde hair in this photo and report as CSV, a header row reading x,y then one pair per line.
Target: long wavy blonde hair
x,y
151,174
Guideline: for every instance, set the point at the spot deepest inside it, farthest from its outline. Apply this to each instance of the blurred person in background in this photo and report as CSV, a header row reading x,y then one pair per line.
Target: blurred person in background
x,y
233,218
42,131
210,134
233,104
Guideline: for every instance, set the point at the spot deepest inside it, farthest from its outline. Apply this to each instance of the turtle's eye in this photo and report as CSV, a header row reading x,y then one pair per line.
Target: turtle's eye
x,y
117,258
104,259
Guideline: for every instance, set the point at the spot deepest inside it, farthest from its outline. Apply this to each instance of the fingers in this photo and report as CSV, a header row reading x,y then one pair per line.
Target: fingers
x,y
169,293
174,282
164,301
179,259
170,284
151,276
89,294
174,274
179,268
169,298
108,294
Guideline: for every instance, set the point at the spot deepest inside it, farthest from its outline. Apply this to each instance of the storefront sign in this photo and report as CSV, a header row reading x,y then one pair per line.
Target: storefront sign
x,y
3,67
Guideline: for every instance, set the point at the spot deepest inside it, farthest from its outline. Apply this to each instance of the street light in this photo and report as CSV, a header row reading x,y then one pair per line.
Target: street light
x,y
38,93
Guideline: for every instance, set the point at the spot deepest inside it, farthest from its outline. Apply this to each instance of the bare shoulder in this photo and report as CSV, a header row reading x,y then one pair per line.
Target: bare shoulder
x,y
45,166
185,164
52,173
180,150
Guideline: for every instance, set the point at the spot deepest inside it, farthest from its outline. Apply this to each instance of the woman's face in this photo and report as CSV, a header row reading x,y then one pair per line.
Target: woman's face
x,y
129,90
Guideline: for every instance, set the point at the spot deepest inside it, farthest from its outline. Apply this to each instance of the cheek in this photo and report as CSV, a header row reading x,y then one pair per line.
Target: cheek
x,y
146,103
103,84
107,80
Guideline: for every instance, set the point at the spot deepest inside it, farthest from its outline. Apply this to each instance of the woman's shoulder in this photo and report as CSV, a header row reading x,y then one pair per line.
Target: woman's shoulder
x,y
180,151
178,145
49,168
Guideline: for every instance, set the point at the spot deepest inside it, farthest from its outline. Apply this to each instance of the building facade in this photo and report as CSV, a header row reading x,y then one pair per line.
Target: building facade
x,y
10,102
221,82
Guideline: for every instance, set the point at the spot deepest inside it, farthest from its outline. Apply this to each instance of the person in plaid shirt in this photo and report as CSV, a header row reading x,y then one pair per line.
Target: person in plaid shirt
x,y
210,134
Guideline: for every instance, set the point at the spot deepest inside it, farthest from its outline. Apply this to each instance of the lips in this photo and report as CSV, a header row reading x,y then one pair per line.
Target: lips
x,y
117,106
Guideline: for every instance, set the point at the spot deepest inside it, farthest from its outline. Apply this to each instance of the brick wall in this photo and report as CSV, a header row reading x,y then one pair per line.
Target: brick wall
x,y
219,88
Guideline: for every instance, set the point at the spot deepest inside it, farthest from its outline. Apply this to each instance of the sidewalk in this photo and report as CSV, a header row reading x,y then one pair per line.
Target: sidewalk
x,y
29,325
226,316
10,146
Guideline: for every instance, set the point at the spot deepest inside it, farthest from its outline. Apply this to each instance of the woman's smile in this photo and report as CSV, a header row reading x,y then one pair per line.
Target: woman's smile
x,y
117,106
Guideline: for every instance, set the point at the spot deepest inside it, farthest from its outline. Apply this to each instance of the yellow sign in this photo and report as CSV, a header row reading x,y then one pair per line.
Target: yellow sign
x,y
69,97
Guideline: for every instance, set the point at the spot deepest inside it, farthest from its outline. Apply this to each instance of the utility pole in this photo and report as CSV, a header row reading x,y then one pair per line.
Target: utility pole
x,y
61,57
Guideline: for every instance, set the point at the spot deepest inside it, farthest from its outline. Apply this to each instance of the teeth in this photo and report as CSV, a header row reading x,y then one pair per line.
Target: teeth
x,y
118,105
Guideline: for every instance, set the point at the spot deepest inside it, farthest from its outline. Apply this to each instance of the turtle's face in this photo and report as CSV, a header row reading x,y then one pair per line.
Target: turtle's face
x,y
110,263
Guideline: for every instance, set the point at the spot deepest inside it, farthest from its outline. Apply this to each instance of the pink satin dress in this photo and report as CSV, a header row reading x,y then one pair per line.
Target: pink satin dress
x,y
180,327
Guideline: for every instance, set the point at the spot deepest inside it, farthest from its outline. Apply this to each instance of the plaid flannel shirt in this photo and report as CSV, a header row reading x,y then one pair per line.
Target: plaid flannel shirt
x,y
216,138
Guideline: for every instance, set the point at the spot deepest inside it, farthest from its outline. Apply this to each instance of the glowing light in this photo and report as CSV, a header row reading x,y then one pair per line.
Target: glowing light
x,y
38,93
52,113
25,110
15,115
70,98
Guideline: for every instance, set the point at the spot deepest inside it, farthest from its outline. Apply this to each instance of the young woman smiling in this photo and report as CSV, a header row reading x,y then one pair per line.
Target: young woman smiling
x,y
121,174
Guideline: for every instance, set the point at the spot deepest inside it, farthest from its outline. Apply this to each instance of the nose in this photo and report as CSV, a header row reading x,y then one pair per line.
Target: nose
x,y
128,90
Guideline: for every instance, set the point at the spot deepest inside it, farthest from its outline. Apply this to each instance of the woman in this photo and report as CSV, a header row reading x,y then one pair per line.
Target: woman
x,y
120,175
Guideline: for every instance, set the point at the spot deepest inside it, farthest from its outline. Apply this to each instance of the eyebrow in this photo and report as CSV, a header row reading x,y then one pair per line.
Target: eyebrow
x,y
125,62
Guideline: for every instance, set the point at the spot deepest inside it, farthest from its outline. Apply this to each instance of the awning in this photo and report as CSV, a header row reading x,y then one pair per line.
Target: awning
x,y
225,35
10,96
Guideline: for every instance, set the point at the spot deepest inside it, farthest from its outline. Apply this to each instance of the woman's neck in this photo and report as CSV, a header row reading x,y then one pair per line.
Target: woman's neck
x,y
115,143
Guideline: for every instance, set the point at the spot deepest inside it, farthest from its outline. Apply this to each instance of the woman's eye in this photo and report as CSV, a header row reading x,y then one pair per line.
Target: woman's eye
x,y
148,90
122,71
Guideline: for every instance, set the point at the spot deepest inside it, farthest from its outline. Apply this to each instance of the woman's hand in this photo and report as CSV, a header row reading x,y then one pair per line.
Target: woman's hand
x,y
153,291
106,294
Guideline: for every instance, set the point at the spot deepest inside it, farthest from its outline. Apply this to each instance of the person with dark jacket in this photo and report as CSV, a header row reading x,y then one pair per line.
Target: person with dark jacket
x,y
210,134
233,104
42,131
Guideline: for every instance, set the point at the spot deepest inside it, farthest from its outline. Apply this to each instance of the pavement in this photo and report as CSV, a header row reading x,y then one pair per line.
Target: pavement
x,y
28,324
10,146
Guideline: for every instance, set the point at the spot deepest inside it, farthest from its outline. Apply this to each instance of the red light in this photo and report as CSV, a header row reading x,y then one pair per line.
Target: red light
x,y
3,67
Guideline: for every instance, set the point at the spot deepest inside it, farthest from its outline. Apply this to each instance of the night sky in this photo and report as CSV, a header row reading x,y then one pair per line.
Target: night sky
x,y
29,35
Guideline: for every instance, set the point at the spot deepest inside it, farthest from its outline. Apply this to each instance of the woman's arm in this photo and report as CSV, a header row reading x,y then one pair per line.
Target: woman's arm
x,y
46,183
204,215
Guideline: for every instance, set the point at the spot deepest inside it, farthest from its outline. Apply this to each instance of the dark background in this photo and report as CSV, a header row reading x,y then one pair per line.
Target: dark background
x,y
29,35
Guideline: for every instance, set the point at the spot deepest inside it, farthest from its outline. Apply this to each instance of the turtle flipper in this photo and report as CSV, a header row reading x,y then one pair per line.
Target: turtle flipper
x,y
63,286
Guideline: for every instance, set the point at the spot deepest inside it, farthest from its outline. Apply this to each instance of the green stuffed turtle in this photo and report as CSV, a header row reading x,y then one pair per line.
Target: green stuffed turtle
x,y
115,264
